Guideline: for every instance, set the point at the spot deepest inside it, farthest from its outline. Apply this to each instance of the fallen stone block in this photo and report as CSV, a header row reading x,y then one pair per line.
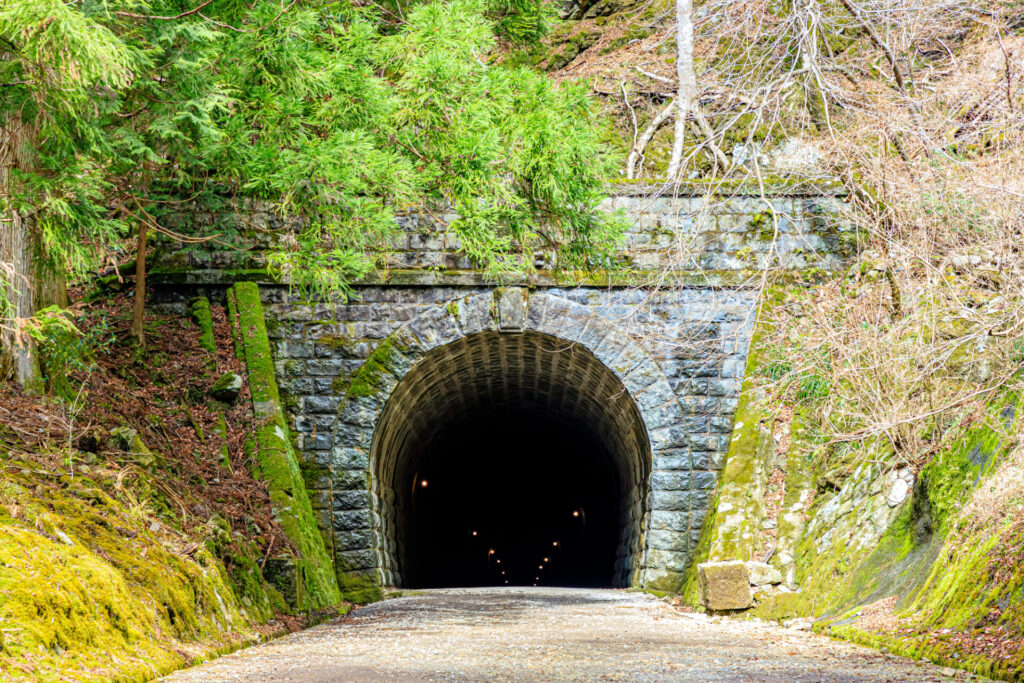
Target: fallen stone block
x,y
724,585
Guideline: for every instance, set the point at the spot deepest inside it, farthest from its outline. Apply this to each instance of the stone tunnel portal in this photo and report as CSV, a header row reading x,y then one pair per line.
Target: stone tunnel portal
x,y
516,458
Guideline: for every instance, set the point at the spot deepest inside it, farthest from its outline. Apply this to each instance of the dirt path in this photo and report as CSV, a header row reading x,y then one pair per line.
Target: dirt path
x,y
546,634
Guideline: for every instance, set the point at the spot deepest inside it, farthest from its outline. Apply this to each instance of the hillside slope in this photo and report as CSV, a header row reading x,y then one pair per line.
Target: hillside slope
x,y
132,532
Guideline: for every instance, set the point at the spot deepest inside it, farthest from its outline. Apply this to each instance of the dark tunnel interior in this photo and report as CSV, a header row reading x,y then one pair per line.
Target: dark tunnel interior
x,y
516,458
514,497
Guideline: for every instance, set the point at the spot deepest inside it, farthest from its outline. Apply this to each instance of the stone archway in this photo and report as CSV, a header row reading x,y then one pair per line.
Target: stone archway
x,y
539,443
606,380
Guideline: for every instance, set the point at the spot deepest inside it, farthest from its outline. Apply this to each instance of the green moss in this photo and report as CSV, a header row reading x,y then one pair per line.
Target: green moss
x,y
798,489
88,591
745,477
780,607
366,381
633,32
689,591
718,188
948,583
733,522
953,474
185,276
572,48
315,585
954,595
360,587
333,342
233,319
200,312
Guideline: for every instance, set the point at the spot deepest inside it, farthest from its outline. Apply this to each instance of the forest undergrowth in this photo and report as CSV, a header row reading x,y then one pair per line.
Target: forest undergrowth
x,y
132,529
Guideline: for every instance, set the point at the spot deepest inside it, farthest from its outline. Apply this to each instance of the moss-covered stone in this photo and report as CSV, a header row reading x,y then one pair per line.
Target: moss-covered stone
x,y
724,585
950,580
314,585
201,315
227,387
130,442
748,465
360,587
572,47
798,491
689,589
233,320
366,381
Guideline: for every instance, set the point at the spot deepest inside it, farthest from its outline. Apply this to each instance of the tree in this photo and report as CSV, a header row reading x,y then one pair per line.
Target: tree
x,y
52,59
338,114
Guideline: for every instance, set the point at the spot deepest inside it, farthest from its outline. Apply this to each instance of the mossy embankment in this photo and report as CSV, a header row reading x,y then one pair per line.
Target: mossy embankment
x,y
922,556
95,588
946,581
134,535
933,577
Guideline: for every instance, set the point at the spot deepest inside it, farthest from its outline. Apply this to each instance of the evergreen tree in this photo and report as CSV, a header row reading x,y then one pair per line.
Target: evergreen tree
x,y
337,113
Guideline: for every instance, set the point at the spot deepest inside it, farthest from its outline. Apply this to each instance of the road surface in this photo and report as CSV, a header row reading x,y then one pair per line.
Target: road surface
x,y
549,634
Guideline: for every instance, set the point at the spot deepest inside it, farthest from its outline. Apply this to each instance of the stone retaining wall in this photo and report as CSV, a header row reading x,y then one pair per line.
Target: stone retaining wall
x,y
682,310
701,240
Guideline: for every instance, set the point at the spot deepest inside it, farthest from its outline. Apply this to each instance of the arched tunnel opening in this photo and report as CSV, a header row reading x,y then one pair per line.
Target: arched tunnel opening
x,y
510,459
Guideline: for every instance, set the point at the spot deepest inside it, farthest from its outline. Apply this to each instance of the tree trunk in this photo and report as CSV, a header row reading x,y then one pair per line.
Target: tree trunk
x,y
686,98
28,282
139,312
809,17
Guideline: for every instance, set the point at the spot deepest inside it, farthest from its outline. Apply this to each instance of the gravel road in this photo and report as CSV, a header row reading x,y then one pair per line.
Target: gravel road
x,y
550,634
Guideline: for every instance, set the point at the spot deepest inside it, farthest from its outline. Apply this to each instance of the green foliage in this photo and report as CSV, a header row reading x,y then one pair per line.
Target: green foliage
x,y
776,369
522,21
338,114
811,387
515,155
64,349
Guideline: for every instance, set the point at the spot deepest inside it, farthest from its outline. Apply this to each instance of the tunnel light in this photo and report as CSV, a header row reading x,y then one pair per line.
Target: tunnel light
x,y
555,544
506,583
575,513
491,551
498,561
474,533
546,559
423,483
503,574
540,566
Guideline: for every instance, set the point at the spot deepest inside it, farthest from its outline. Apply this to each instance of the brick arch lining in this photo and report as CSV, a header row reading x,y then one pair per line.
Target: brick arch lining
x,y
498,370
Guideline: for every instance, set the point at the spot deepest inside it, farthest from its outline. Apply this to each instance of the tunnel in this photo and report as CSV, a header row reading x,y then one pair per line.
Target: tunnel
x,y
509,459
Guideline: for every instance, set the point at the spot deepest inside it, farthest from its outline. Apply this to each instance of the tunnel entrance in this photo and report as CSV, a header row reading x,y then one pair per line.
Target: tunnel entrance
x,y
510,459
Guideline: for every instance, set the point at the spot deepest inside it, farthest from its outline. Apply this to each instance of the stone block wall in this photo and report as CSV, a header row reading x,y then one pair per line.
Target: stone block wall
x,y
685,305
702,240
696,337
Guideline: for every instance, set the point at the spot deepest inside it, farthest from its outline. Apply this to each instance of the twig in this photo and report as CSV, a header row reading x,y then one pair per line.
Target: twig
x,y
153,17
